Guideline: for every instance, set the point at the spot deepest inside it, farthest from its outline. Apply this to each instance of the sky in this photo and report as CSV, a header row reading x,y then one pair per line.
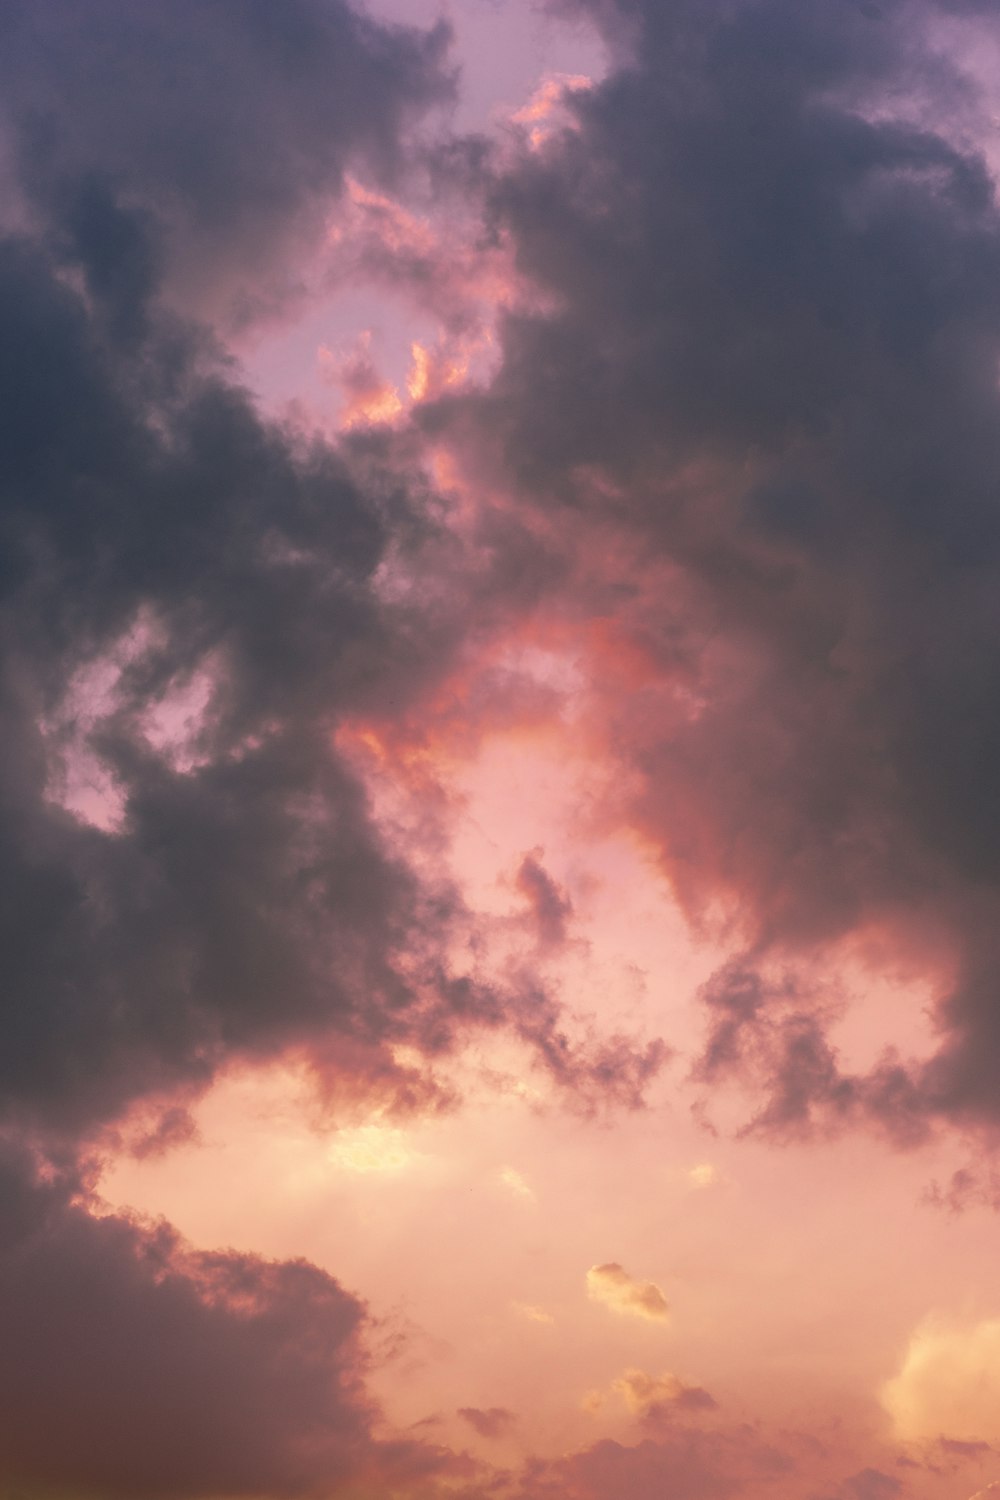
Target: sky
x,y
500,770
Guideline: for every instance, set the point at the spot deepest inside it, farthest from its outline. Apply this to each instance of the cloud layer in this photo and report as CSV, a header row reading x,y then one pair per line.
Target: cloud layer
x,y
735,450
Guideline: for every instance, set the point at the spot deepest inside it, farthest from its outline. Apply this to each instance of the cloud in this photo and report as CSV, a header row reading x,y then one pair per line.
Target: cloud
x,y
949,1384
550,907
648,1395
194,607
870,1484
494,1422
616,1289
654,1398
516,1183
372,1148
115,1337
242,899
687,1465
533,1314
232,128
751,374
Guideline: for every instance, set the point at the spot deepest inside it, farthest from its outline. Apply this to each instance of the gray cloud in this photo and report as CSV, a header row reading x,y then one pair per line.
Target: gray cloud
x,y
772,368
230,125
488,1422
131,1364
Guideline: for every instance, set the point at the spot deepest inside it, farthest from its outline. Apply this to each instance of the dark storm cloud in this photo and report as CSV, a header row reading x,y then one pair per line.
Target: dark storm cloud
x,y
131,1364
231,123
190,608
152,522
773,363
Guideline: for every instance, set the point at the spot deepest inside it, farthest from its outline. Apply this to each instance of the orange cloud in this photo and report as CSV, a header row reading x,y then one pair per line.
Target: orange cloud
x,y
612,1285
642,1393
949,1383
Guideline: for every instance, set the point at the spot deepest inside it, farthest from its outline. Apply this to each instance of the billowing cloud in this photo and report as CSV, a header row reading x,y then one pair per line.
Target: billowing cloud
x,y
753,373
615,1288
949,1383
228,129
239,897
736,441
116,1338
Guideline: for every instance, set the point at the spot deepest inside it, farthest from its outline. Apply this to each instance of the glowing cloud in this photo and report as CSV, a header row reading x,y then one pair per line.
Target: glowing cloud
x,y
612,1285
642,1392
949,1384
371,1148
648,1395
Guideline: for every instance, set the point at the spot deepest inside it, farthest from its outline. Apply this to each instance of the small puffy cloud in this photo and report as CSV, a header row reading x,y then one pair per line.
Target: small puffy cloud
x,y
612,1285
652,1396
644,1394
949,1383
533,1314
493,1422
515,1183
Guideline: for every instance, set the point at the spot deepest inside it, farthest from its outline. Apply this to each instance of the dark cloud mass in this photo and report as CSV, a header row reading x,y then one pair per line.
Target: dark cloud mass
x,y
153,525
132,1365
189,606
774,250
230,124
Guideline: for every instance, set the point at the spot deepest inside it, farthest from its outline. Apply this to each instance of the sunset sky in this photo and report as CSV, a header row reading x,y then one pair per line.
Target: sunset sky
x,y
500,749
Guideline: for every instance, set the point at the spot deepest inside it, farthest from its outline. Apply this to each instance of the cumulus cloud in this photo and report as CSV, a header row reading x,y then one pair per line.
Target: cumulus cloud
x,y
116,1339
231,128
759,362
753,374
194,607
948,1384
616,1289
